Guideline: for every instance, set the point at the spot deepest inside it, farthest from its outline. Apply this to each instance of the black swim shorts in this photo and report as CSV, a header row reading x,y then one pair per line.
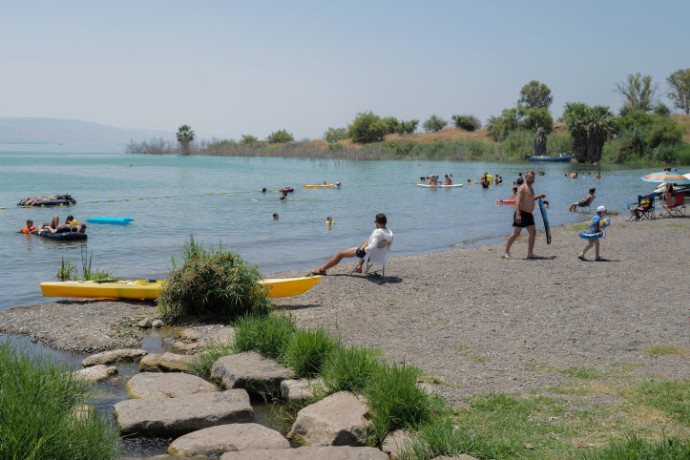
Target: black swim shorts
x,y
360,253
526,219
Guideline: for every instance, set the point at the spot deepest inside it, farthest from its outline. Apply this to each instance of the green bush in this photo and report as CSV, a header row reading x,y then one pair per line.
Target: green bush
x,y
267,334
434,124
38,420
519,143
348,368
280,137
559,143
307,350
367,128
212,283
467,122
395,399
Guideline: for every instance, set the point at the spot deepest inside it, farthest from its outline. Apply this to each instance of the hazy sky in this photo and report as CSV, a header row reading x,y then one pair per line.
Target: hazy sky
x,y
229,68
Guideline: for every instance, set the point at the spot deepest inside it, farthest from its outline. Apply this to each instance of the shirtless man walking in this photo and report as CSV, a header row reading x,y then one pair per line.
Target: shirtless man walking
x,y
523,218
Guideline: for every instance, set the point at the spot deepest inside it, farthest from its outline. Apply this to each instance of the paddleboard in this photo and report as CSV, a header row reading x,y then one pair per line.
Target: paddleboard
x,y
440,185
149,290
547,228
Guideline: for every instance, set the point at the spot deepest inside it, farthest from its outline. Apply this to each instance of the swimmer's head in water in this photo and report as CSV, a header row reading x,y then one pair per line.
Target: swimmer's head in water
x,y
275,216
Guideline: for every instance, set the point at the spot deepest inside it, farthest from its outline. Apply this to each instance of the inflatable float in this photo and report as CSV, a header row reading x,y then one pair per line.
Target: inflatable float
x,y
439,185
64,200
110,220
586,235
61,236
149,290
505,201
320,186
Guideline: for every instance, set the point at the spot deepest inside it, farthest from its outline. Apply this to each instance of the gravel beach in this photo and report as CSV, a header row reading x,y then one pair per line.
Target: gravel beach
x,y
472,320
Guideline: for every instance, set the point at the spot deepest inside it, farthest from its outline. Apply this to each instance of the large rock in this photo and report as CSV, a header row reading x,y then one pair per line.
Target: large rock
x,y
228,438
168,385
337,420
250,371
197,337
177,416
114,356
298,390
394,444
96,373
308,453
167,362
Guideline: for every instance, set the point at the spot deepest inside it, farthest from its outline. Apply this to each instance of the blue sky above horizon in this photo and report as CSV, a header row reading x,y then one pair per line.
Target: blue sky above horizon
x,y
229,68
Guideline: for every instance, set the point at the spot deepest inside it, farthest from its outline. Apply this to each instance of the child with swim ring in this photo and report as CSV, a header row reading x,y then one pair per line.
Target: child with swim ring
x,y
595,233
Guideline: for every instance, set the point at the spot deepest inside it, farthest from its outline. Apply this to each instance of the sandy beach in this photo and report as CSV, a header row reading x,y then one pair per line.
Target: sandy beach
x,y
476,322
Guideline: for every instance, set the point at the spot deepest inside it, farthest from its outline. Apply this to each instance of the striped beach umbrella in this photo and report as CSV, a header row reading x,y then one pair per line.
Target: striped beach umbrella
x,y
667,177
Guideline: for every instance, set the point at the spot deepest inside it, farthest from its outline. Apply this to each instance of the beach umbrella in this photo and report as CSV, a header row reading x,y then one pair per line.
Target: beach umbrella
x,y
666,177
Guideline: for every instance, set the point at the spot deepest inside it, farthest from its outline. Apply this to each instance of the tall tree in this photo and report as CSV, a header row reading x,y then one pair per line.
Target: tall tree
x,y
590,128
535,95
679,81
639,91
185,136
434,124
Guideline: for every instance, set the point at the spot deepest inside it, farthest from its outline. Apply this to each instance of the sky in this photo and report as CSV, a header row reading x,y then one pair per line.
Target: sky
x,y
230,68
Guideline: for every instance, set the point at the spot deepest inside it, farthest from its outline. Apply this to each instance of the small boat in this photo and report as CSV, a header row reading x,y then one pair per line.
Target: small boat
x,y
439,185
320,186
562,158
149,290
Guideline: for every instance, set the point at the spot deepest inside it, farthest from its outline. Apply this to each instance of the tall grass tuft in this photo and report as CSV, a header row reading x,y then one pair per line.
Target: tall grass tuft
x,y
213,283
395,399
67,270
307,350
37,413
349,368
204,361
267,335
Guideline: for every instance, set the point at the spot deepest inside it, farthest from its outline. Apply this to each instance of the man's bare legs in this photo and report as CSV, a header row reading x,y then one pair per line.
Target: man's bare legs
x,y
511,240
344,254
530,242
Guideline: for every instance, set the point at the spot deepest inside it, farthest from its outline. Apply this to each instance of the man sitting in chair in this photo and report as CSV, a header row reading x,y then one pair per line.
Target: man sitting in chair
x,y
586,201
381,236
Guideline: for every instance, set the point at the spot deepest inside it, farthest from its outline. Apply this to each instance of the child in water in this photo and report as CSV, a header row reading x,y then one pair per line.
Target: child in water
x,y
599,222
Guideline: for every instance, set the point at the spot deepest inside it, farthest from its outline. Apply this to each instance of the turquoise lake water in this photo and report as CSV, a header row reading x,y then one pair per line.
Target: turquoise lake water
x,y
218,200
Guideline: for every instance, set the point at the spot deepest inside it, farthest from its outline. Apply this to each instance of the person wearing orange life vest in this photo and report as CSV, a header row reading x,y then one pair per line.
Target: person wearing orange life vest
x,y
29,227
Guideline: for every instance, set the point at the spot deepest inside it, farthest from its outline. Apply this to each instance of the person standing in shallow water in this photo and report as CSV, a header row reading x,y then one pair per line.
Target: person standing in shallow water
x,y
523,218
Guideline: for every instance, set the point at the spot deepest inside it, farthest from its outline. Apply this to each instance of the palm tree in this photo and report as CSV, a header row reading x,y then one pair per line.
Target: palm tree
x,y
590,128
185,135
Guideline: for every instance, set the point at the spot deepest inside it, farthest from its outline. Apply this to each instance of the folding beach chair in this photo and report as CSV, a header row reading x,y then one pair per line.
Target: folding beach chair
x,y
677,208
644,207
377,256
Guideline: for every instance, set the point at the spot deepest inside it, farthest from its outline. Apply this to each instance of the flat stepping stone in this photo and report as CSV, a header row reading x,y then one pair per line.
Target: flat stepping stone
x,y
166,385
308,453
131,355
337,420
228,438
167,362
298,390
178,416
96,373
251,371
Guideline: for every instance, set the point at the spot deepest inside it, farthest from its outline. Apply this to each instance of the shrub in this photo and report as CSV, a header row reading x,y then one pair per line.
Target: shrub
x,y
248,139
268,334
280,137
434,124
333,135
307,350
38,401
467,122
392,125
367,128
519,143
395,399
212,283
348,368
408,127
559,143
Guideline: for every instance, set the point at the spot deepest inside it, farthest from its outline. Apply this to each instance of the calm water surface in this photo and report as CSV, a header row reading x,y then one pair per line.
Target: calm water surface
x,y
218,200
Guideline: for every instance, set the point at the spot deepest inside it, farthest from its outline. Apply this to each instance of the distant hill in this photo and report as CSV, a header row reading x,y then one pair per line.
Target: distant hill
x,y
55,131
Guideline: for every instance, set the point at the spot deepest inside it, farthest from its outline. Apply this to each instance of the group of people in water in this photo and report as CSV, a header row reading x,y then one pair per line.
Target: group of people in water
x,y
69,225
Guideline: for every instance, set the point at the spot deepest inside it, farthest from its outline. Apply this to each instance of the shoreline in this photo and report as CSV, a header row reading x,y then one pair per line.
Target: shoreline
x,y
476,323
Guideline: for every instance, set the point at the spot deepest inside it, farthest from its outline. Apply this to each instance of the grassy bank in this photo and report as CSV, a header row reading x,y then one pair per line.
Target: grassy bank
x,y
40,414
637,419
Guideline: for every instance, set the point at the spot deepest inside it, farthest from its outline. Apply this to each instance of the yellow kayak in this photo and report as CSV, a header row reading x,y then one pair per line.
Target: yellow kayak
x,y
320,186
148,290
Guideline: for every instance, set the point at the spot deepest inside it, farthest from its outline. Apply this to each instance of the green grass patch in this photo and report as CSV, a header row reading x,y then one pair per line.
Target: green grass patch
x,y
676,225
307,350
204,362
666,350
672,397
579,227
348,368
635,448
37,413
268,335
583,372
542,368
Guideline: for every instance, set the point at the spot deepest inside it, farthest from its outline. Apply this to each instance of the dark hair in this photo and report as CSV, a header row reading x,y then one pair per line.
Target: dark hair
x,y
69,219
381,219
592,190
